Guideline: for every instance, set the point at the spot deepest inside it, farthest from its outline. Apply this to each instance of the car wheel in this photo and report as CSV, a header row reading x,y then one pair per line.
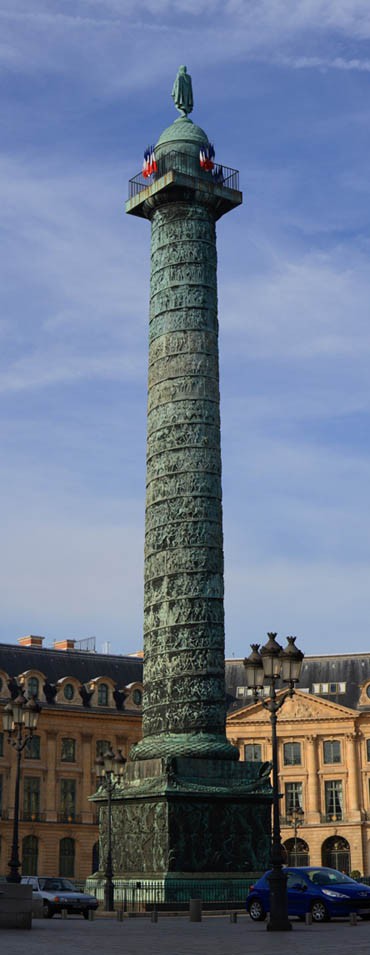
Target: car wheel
x,y
47,910
319,911
256,911
85,913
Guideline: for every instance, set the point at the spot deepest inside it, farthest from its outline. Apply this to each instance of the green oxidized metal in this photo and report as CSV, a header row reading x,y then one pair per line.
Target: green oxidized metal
x,y
184,688
185,812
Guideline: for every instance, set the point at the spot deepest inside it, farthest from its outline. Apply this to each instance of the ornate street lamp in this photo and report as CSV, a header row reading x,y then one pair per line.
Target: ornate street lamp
x,y
269,665
295,818
108,767
19,721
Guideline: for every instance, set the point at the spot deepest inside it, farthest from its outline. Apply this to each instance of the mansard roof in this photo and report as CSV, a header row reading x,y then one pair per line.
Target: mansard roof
x,y
81,665
351,669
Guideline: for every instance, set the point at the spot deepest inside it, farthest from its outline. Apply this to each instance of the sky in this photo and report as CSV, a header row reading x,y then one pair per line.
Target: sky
x,y
282,89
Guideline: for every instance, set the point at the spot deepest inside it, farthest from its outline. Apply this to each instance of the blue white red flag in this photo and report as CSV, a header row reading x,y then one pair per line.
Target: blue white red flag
x,y
149,163
206,156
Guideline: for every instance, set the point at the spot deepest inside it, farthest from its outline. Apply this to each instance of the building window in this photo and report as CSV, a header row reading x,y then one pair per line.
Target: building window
x,y
292,754
252,752
30,852
102,694
101,747
368,750
1,683
332,751
32,748
68,799
1,744
137,697
67,858
293,798
334,799
31,798
33,687
1,796
68,753
330,688
69,692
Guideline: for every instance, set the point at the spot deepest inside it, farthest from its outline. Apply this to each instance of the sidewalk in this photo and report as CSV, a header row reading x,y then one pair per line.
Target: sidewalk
x,y
215,935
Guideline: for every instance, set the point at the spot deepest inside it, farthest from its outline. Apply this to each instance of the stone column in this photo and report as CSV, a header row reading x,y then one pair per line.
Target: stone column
x,y
86,781
51,788
312,808
353,777
183,605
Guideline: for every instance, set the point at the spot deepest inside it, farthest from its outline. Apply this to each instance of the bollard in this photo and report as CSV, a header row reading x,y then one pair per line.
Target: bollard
x,y
91,915
64,913
308,918
233,917
195,910
154,915
353,918
119,915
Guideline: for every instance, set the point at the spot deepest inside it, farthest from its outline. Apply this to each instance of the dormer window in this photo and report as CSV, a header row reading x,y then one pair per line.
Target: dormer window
x,y
33,687
102,694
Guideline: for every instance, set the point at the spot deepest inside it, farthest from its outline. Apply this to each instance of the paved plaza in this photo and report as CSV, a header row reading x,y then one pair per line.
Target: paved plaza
x,y
215,935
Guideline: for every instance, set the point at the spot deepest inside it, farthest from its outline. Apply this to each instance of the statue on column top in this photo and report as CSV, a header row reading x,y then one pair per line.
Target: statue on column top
x,y
182,92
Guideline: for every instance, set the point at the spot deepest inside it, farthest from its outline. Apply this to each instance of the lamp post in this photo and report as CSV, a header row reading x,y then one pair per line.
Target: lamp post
x,y
108,767
271,664
19,721
296,819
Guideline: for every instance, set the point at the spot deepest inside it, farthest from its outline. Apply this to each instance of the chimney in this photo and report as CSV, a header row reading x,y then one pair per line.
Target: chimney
x,y
64,644
31,641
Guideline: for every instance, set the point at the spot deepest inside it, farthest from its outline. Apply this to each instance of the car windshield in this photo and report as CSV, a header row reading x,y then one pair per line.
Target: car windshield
x,y
327,877
57,885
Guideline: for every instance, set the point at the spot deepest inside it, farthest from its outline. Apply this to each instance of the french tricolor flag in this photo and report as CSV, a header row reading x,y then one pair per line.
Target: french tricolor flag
x,y
149,163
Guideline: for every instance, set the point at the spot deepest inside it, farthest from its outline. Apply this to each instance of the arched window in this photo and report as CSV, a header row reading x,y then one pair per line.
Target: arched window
x,y
33,687
336,854
30,851
67,857
102,694
297,852
95,857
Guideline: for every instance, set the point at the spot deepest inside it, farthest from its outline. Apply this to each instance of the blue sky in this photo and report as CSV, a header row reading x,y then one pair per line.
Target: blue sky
x,y
282,88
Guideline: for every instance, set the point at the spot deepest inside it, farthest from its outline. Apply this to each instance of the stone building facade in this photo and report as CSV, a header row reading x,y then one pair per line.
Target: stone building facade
x,y
324,758
88,700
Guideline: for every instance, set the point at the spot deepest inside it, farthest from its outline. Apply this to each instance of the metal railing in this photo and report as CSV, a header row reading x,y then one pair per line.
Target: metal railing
x,y
69,817
174,161
332,817
172,895
32,815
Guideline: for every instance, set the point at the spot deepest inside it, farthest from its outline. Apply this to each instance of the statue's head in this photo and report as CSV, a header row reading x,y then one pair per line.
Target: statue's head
x,y
182,69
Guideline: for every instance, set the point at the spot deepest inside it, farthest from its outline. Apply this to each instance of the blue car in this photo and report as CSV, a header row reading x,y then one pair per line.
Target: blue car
x,y
324,892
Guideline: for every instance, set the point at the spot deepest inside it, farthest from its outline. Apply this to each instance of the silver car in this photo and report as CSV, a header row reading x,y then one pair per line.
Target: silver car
x,y
56,894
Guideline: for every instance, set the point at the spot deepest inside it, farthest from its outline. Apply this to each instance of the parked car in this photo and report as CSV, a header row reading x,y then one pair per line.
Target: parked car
x,y
56,894
323,892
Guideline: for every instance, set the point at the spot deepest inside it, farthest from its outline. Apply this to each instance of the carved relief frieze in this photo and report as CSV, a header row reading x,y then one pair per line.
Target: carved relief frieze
x,y
183,585
189,250
182,296
184,533
189,273
178,366
183,459
200,638
184,610
187,559
187,507
183,388
183,342
182,485
182,320
184,412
